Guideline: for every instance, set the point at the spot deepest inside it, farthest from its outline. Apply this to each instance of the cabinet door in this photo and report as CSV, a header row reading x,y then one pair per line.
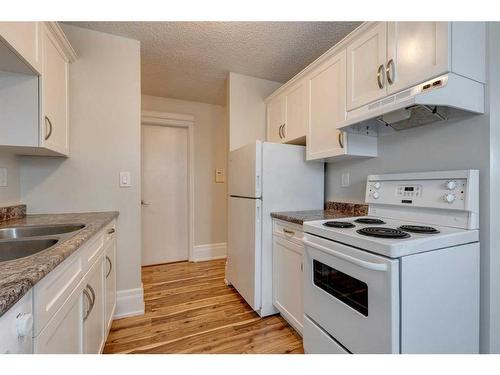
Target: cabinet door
x,y
276,119
366,57
64,332
295,112
416,52
24,37
327,108
110,280
94,322
287,280
54,133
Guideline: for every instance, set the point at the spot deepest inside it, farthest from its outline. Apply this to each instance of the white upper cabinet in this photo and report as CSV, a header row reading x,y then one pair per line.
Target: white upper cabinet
x,y
276,119
327,107
24,38
295,112
366,58
54,129
416,51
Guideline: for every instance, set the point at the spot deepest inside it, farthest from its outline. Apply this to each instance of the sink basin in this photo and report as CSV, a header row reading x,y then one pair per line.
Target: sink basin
x,y
38,230
10,250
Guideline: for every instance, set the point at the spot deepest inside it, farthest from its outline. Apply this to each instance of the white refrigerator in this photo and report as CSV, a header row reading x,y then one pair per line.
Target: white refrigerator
x,y
263,178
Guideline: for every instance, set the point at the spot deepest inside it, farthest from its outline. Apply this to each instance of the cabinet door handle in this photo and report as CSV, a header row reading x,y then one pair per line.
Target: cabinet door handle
x,y
283,130
287,231
341,144
112,230
110,266
380,76
391,72
49,133
89,301
279,131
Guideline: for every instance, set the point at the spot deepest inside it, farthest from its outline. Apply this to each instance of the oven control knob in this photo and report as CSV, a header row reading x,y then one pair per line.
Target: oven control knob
x,y
375,195
449,198
451,185
376,185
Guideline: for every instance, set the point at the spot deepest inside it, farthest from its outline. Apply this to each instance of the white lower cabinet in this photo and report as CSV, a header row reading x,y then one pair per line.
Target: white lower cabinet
x,y
81,319
110,280
64,334
287,273
93,320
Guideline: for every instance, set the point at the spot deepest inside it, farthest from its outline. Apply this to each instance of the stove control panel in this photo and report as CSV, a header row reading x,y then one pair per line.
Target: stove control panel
x,y
449,191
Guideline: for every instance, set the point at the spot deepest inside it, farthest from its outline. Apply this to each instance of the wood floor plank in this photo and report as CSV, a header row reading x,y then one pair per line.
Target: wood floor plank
x,y
189,309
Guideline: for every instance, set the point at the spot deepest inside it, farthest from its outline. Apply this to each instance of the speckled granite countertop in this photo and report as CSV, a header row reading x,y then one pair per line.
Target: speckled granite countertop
x,y
333,210
18,276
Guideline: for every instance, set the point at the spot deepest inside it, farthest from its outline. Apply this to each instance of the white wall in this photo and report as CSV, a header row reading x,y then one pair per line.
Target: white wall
x,y
247,110
104,140
210,152
10,194
458,144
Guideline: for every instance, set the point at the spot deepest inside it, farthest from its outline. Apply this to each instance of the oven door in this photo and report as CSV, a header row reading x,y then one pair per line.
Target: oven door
x,y
353,295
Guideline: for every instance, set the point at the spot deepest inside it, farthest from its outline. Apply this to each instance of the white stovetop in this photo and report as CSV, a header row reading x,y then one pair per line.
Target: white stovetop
x,y
393,248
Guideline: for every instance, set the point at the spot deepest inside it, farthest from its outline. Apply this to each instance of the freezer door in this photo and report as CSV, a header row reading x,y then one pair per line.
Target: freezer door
x,y
245,171
243,269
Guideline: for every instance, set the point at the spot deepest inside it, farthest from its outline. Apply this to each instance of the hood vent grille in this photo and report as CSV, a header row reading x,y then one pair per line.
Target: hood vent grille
x,y
415,115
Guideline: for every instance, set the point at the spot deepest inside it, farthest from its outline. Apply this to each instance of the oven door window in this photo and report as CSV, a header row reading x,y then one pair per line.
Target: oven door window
x,y
345,288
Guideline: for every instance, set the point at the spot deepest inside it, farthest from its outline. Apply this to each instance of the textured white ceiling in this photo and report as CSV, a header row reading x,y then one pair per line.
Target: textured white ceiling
x,y
191,60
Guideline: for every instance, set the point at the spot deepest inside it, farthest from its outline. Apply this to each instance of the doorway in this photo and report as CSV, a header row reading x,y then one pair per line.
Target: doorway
x,y
166,148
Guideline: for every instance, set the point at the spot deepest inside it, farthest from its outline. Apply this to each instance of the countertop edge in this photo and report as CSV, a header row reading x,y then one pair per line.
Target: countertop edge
x,y
11,293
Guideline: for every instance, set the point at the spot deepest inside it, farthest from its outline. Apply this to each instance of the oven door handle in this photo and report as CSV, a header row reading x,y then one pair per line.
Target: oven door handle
x,y
362,263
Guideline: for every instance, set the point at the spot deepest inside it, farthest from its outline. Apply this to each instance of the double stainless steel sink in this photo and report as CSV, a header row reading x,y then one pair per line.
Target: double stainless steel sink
x,y
22,241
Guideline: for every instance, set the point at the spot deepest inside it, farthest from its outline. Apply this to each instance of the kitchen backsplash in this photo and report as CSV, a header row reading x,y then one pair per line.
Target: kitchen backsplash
x,y
12,212
356,209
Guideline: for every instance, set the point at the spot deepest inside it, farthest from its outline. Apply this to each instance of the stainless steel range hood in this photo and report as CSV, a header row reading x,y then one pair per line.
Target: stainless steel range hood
x,y
435,100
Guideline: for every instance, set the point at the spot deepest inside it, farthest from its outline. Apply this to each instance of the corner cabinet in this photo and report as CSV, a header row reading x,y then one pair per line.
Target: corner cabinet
x,y
73,305
34,116
287,272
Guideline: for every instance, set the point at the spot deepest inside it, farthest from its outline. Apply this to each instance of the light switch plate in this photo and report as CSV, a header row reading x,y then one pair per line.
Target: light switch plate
x,y
125,179
345,179
220,175
3,177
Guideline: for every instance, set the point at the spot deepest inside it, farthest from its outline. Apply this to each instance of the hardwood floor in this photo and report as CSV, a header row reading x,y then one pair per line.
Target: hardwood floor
x,y
189,309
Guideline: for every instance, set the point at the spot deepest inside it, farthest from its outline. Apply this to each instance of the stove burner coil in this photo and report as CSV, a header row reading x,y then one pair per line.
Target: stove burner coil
x,y
418,229
339,224
369,220
383,232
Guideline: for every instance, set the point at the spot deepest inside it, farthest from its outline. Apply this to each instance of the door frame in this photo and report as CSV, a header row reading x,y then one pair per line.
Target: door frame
x,y
178,120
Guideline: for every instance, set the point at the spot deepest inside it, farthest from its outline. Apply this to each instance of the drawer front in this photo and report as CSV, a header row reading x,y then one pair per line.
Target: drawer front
x,y
53,290
92,250
291,232
317,341
109,232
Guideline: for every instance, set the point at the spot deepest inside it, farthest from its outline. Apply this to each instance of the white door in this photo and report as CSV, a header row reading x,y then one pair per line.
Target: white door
x,y
276,119
164,194
416,52
295,112
327,108
110,280
287,280
244,250
366,57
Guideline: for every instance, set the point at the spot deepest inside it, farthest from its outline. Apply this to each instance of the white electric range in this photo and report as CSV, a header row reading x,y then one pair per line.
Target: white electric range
x,y
405,278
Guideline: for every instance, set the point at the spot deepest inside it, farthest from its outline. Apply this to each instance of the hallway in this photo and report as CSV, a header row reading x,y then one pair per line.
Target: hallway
x,y
189,309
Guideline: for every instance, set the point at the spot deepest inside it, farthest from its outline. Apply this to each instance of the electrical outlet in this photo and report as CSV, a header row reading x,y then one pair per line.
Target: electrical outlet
x,y
3,177
219,175
345,179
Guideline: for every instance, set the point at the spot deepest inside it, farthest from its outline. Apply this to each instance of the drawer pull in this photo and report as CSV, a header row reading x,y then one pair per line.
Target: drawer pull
x,y
89,301
290,232
111,231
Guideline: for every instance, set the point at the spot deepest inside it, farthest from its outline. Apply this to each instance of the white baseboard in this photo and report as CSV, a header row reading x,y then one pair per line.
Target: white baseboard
x,y
209,251
129,302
